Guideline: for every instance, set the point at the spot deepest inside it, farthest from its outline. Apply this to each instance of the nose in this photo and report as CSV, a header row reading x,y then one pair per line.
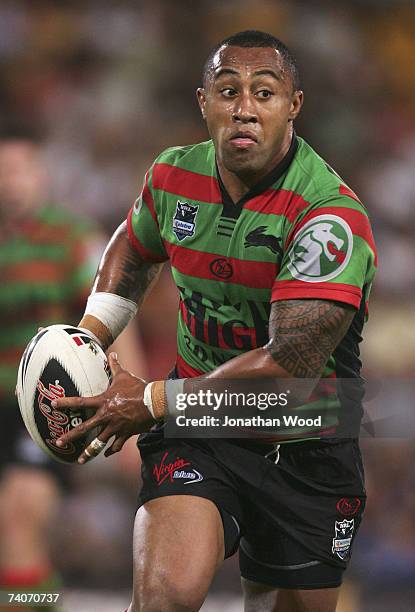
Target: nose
x,y
244,110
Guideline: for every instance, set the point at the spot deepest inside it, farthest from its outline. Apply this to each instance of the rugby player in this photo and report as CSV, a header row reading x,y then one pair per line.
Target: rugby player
x,y
273,257
47,263
48,259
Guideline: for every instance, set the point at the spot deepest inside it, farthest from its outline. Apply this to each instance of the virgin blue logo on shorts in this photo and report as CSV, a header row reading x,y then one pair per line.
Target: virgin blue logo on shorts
x,y
190,477
175,470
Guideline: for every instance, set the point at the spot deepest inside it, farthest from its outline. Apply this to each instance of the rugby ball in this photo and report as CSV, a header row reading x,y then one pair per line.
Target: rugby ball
x,y
60,361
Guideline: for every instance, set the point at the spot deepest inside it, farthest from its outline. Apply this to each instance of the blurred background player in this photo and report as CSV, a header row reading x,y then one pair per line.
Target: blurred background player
x,y
48,259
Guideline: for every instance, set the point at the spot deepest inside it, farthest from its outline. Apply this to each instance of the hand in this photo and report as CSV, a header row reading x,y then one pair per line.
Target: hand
x,y
119,411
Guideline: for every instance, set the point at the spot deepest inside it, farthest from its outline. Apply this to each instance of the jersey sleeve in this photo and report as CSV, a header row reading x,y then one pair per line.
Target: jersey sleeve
x,y
329,253
143,227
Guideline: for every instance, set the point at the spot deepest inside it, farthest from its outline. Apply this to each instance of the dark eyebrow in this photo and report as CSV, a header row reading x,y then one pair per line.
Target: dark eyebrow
x,y
269,72
264,72
222,71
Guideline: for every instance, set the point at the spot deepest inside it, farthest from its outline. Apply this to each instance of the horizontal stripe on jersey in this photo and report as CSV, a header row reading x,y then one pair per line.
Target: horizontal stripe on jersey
x,y
186,184
203,265
339,292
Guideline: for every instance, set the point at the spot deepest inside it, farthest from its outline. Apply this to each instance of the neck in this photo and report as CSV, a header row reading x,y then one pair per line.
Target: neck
x,y
239,184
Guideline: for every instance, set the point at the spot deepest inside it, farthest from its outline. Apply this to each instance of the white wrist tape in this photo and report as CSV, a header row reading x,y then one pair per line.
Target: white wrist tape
x,y
147,399
114,311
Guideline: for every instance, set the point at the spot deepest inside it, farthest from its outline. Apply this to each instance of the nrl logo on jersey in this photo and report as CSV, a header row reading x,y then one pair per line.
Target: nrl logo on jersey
x,y
321,249
184,220
343,538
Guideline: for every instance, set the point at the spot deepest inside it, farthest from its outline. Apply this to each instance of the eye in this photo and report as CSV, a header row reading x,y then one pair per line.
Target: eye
x,y
264,94
228,92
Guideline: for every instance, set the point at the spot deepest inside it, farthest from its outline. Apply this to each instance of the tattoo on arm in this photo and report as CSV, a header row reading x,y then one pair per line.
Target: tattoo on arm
x,y
304,333
135,276
122,271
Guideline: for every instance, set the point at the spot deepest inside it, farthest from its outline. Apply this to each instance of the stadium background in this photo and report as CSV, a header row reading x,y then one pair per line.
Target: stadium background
x,y
111,84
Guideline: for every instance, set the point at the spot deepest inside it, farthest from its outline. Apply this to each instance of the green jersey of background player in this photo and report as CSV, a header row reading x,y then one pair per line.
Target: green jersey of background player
x,y
252,217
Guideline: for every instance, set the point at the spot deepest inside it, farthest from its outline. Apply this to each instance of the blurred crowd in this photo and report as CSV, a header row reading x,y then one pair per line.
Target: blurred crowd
x,y
110,84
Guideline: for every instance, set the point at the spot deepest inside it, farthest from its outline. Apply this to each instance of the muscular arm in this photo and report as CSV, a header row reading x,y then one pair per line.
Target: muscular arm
x,y
303,335
123,272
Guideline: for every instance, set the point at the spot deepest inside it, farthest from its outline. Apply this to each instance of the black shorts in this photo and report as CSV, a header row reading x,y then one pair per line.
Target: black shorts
x,y
18,449
293,512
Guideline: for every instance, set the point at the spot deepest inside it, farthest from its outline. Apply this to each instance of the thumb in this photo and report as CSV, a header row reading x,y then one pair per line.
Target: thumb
x,y
114,364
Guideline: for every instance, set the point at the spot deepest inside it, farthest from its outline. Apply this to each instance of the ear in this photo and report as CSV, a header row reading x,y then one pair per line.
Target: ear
x,y
201,98
296,104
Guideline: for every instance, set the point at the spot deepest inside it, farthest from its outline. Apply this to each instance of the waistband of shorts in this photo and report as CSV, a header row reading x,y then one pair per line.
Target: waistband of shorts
x,y
264,448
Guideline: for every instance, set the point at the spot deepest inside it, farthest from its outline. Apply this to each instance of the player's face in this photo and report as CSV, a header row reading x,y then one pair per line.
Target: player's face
x,y
248,103
22,179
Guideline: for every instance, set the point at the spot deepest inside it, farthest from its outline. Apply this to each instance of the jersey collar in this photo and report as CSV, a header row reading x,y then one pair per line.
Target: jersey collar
x,y
233,209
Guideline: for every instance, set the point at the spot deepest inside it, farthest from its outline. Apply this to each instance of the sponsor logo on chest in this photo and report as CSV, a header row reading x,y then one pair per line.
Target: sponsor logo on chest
x,y
184,220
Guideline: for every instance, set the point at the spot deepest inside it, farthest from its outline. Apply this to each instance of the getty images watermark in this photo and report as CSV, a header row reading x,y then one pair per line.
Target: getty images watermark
x,y
223,400
290,408
247,408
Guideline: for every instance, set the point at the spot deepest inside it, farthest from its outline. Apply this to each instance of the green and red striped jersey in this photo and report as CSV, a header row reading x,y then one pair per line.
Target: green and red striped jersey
x,y
301,232
47,265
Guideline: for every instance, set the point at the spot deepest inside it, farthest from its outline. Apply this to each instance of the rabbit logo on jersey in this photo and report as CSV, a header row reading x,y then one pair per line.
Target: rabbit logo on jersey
x,y
321,249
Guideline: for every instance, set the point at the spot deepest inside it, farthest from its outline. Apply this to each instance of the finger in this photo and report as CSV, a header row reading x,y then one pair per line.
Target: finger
x,y
114,364
116,446
79,431
75,403
96,446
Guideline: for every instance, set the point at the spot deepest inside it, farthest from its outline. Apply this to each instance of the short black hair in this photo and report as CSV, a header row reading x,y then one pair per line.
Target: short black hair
x,y
256,38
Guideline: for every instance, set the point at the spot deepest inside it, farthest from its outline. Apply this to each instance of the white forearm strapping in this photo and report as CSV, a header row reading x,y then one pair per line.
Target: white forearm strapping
x,y
114,311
